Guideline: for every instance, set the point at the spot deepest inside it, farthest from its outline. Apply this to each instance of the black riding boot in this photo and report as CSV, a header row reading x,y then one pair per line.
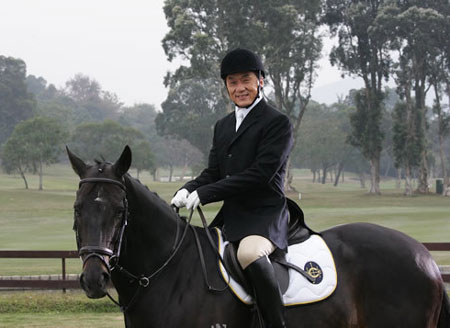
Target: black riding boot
x,y
268,296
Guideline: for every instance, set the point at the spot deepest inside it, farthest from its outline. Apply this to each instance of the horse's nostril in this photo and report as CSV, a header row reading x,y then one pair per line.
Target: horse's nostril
x,y
104,279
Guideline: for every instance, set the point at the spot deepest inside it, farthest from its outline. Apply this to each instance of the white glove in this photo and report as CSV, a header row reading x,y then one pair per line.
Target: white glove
x,y
180,198
192,201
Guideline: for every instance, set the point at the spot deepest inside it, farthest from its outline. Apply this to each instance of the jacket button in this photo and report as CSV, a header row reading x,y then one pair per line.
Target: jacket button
x,y
230,155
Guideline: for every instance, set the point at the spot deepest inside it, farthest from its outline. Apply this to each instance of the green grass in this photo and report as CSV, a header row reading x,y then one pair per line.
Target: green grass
x,y
62,320
42,220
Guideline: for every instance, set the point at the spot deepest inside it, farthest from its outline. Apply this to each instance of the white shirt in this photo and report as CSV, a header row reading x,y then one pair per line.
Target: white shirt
x,y
242,112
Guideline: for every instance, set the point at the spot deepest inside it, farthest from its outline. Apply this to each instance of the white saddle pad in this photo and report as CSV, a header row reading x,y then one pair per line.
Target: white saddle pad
x,y
312,255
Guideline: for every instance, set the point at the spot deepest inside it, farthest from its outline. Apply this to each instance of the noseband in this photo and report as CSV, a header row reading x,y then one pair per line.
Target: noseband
x,y
97,251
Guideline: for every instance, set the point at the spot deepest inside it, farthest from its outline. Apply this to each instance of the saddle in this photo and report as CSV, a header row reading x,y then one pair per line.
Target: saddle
x,y
297,233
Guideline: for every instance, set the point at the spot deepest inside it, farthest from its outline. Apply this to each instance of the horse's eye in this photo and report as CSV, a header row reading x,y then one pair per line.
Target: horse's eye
x,y
120,211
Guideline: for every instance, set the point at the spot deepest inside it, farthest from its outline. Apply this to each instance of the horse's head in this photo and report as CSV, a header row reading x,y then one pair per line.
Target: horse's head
x,y
100,217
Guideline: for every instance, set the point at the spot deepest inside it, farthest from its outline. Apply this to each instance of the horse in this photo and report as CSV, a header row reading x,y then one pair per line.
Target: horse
x,y
128,235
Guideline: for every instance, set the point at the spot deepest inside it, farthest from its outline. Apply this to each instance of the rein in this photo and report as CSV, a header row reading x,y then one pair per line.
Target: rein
x,y
144,281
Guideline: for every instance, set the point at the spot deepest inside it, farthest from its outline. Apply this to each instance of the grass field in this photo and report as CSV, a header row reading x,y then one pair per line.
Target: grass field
x,y
42,220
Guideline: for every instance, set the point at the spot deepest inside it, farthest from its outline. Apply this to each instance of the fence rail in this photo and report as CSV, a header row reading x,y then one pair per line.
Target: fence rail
x,y
62,283
65,283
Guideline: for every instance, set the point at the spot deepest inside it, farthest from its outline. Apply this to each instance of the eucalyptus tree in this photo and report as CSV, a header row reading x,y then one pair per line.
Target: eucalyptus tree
x,y
284,33
362,52
440,81
408,141
418,30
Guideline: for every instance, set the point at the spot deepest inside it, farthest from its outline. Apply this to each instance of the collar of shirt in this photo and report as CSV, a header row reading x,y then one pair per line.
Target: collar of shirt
x,y
244,111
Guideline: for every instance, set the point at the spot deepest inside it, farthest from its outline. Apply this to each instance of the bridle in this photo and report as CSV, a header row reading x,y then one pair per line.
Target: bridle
x,y
114,255
88,252
100,252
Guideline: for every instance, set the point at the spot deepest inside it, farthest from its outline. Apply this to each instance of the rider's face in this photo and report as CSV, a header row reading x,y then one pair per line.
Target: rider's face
x,y
243,87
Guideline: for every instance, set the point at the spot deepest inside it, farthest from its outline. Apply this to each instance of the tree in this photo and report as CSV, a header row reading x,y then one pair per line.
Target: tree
x,y
14,157
407,141
366,134
322,140
143,158
284,33
417,30
106,139
362,51
141,117
33,144
190,111
16,103
52,102
94,104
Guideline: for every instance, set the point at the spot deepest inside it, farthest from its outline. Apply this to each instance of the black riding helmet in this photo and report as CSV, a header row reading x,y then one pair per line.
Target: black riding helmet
x,y
241,60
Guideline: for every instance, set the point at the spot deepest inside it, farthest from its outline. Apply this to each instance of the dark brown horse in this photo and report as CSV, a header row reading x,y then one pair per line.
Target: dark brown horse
x,y
385,278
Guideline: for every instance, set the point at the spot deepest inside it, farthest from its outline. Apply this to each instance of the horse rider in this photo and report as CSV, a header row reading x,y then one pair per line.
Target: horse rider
x,y
246,170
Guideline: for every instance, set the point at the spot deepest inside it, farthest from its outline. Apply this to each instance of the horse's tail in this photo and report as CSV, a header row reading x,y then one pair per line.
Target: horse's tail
x,y
444,317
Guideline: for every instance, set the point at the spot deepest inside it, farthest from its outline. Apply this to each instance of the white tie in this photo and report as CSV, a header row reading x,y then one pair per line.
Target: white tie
x,y
239,119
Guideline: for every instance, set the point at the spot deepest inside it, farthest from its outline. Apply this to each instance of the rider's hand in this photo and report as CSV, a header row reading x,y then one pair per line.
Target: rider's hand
x,y
192,201
180,198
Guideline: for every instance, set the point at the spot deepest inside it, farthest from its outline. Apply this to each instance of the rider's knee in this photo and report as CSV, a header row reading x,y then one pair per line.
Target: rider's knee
x,y
252,248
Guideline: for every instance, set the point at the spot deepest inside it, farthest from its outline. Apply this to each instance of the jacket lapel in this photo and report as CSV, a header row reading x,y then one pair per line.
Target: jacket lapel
x,y
252,117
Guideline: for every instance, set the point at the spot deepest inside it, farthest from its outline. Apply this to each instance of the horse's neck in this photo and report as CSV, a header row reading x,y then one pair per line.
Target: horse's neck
x,y
152,227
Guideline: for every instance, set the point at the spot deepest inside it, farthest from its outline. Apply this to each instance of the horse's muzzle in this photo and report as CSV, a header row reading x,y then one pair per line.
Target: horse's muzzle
x,y
95,278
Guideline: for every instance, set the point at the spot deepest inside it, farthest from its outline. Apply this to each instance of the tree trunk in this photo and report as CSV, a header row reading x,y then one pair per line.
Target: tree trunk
x,y
388,168
420,94
375,174
338,174
362,180
408,185
155,175
398,181
314,176
170,172
40,175
289,177
318,176
324,175
441,139
22,174
423,174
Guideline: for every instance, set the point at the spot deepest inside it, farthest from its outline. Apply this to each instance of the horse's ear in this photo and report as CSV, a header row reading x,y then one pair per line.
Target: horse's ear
x,y
122,165
78,165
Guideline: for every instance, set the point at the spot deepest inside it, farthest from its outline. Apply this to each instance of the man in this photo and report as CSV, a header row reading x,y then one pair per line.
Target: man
x,y
246,170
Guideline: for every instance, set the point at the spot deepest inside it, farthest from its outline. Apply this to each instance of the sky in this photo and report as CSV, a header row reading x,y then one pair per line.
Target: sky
x,y
116,42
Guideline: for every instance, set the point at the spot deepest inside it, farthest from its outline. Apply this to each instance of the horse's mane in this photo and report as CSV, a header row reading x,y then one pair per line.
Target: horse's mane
x,y
150,197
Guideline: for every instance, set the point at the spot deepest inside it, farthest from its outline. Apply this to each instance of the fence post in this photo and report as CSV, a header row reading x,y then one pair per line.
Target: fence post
x,y
64,271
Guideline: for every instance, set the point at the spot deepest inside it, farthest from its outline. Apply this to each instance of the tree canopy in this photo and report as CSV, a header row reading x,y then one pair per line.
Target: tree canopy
x,y
16,103
103,140
33,143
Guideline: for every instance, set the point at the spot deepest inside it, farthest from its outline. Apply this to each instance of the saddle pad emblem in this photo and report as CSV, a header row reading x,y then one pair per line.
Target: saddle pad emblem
x,y
314,271
314,256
